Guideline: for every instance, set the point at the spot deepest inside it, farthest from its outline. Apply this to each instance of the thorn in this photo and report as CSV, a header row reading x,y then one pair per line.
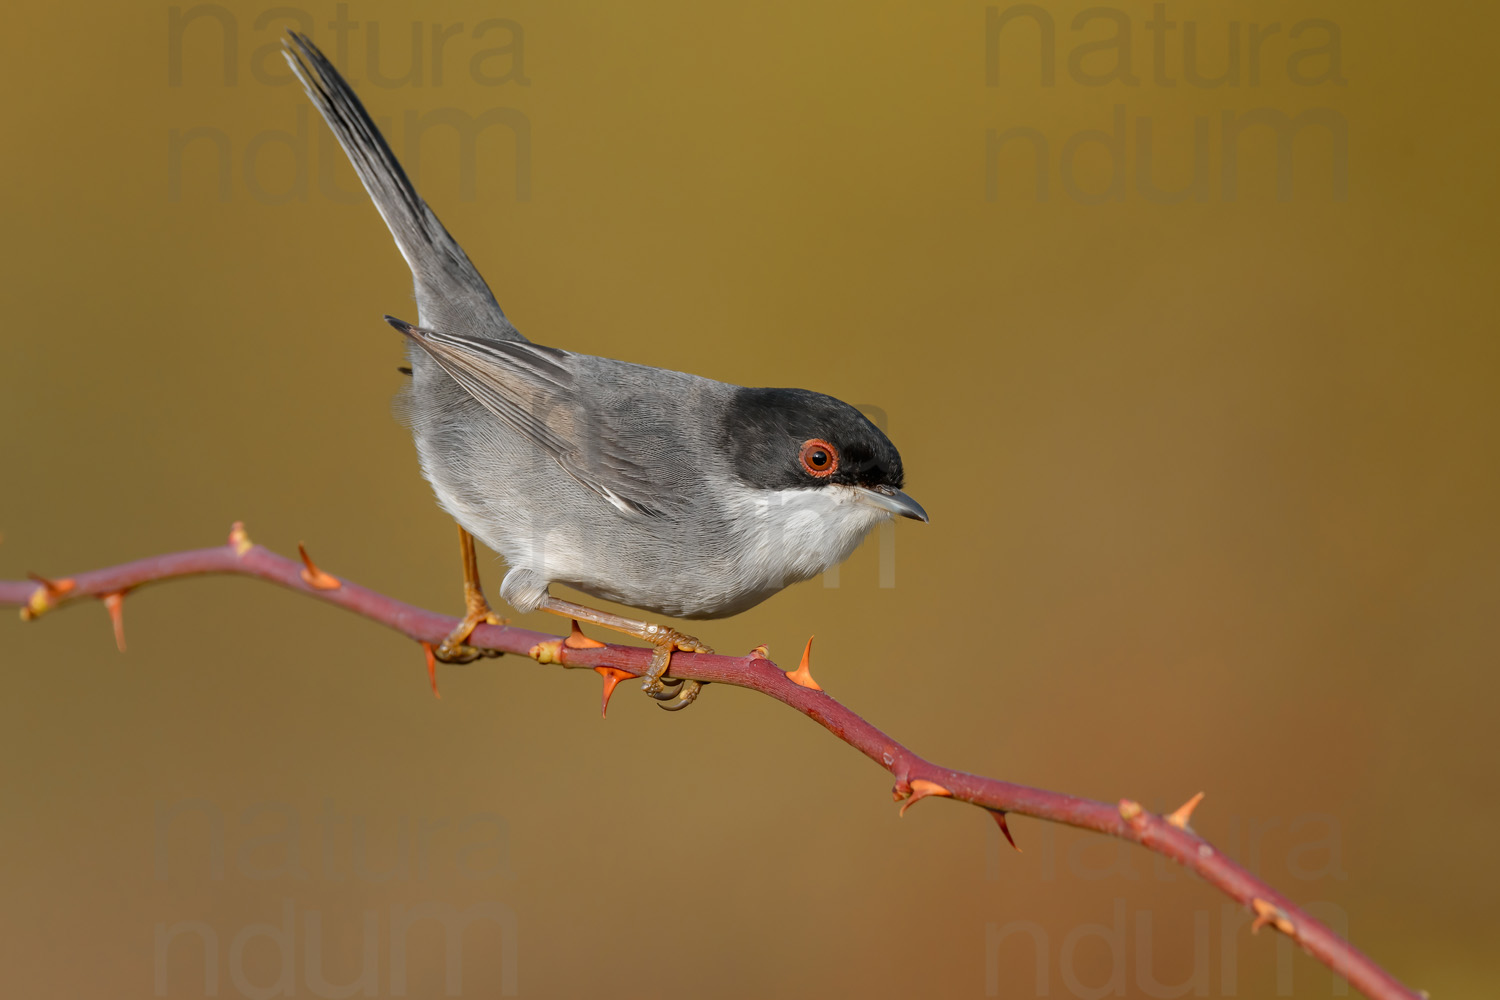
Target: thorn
x,y
239,539
612,676
999,815
1269,914
920,789
314,577
431,668
47,596
115,605
802,675
577,640
57,588
1184,812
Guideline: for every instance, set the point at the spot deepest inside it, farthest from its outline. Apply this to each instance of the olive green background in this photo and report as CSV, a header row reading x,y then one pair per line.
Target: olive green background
x,y
1213,489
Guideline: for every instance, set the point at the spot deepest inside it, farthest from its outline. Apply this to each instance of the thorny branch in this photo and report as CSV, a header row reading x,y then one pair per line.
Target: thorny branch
x,y
916,779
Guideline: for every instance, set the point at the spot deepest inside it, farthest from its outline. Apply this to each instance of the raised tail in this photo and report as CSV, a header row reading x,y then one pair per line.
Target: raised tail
x,y
450,293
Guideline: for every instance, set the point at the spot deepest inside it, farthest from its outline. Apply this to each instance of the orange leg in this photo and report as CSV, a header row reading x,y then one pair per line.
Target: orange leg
x,y
477,610
672,694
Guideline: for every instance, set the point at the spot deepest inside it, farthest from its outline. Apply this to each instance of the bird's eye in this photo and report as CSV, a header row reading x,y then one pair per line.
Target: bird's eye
x,y
819,458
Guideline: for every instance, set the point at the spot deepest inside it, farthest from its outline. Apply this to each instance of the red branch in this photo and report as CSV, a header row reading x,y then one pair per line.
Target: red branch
x,y
915,778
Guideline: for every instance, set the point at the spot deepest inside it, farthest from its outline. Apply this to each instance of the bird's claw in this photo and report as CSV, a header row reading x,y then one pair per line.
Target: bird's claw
x,y
673,694
676,697
455,650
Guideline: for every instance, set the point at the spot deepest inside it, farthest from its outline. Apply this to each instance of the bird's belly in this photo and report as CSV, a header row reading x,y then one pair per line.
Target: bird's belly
x,y
582,542
767,541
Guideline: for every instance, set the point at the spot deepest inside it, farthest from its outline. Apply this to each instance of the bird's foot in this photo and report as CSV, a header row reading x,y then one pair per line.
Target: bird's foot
x,y
454,648
477,611
677,693
673,694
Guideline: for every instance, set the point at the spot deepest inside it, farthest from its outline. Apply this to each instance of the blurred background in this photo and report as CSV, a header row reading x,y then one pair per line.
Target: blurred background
x,y
1181,316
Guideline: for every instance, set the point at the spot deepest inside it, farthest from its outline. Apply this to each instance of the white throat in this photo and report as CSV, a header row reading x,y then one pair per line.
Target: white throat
x,y
786,536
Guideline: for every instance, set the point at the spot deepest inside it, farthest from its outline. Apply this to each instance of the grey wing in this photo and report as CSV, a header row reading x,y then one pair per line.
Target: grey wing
x,y
450,292
541,393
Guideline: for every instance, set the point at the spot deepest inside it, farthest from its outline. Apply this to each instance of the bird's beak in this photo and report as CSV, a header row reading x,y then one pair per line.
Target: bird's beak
x,y
891,499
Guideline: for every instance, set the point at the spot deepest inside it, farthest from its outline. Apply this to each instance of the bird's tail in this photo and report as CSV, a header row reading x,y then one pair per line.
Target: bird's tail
x,y
441,270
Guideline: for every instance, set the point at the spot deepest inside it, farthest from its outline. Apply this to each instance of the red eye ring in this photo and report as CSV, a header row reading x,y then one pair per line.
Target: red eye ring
x,y
819,458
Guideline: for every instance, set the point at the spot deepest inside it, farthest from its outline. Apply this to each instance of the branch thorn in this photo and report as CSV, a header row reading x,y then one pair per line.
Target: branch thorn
x,y
115,604
239,539
1179,818
431,668
803,675
999,815
577,640
612,676
920,789
314,577
46,597
1269,914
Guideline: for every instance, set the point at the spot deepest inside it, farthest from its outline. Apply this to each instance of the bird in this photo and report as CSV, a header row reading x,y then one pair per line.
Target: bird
x,y
664,491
